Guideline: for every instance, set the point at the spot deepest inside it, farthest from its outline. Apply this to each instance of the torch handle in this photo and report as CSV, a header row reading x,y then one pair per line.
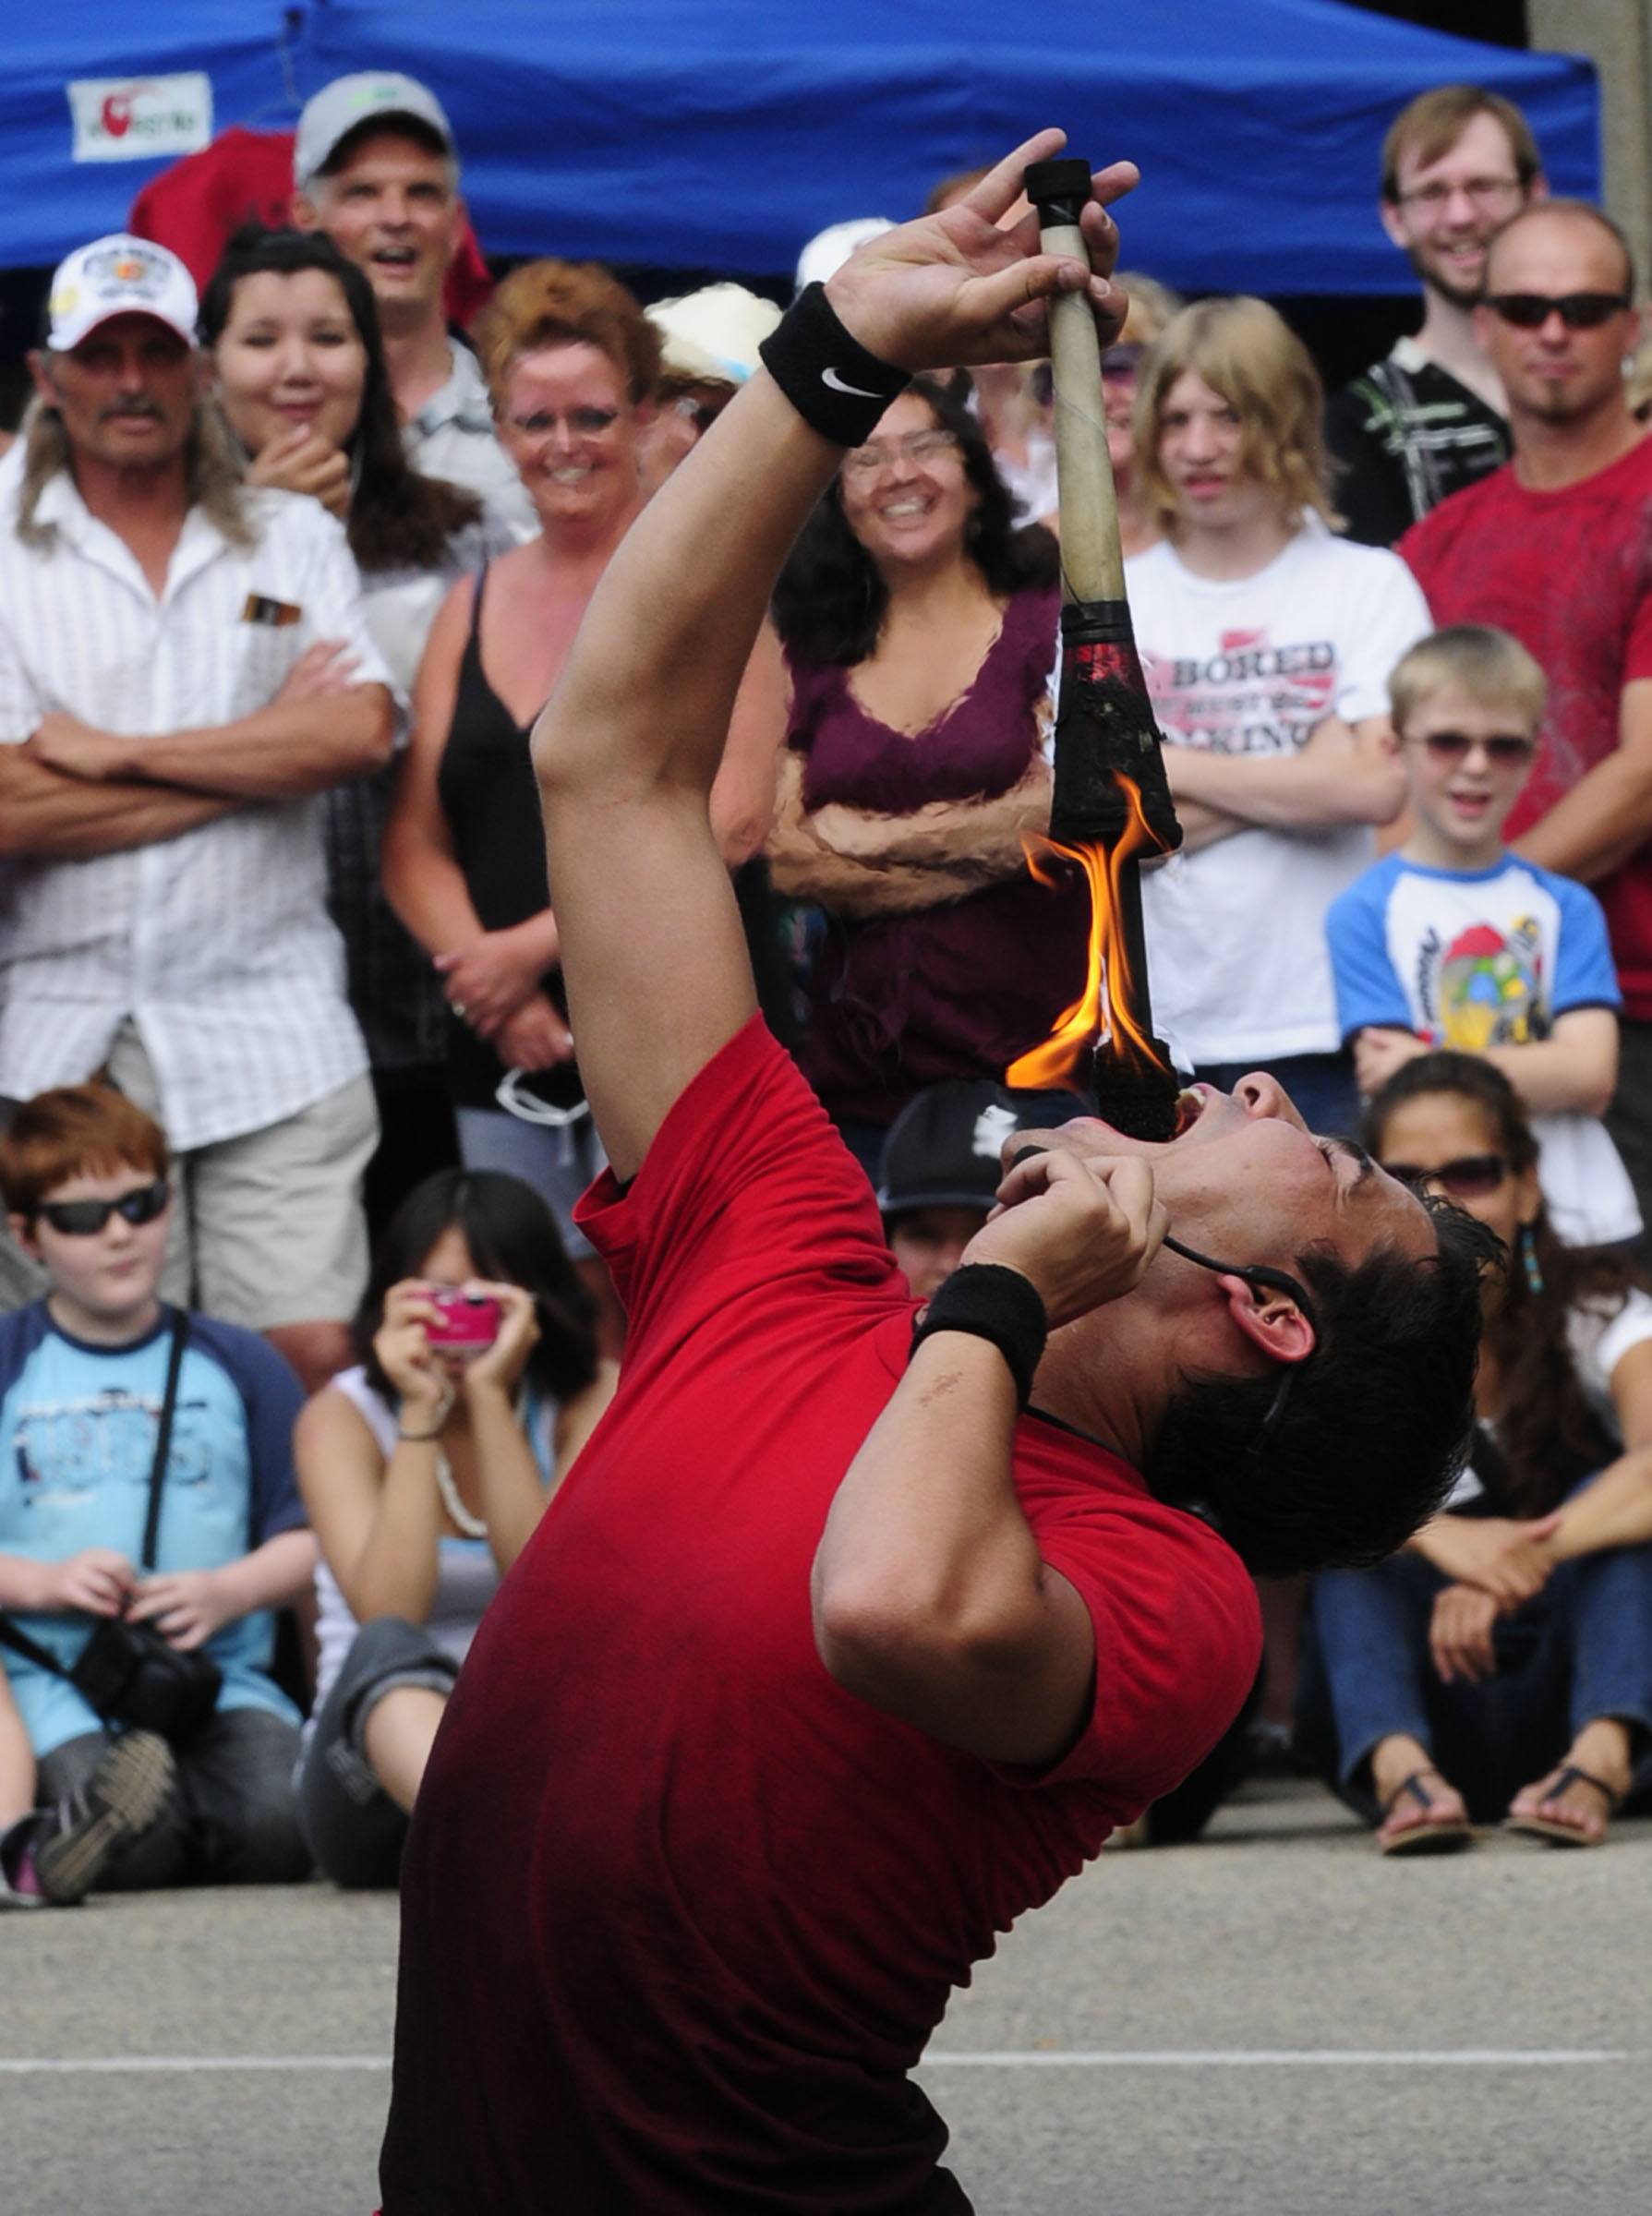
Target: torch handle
x,y
1092,558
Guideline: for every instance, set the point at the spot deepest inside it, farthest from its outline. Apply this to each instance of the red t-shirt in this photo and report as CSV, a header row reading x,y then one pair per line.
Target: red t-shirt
x,y
1570,573
679,1913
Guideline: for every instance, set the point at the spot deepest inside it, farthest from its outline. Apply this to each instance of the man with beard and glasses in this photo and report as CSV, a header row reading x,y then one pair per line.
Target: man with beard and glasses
x,y
1429,419
843,1645
1557,549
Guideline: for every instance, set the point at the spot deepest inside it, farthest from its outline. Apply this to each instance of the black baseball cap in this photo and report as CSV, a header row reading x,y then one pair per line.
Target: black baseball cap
x,y
942,1150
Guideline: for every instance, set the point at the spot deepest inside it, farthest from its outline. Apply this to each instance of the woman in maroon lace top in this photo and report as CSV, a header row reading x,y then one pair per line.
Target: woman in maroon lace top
x,y
919,629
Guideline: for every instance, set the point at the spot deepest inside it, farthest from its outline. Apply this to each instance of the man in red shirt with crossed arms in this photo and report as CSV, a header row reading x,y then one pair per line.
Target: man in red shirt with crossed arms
x,y
827,1663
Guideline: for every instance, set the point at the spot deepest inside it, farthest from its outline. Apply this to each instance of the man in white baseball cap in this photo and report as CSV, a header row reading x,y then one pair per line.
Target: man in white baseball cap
x,y
115,276
184,664
374,166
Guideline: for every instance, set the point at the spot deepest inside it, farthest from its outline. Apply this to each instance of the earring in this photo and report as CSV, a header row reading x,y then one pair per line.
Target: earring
x,y
1529,1263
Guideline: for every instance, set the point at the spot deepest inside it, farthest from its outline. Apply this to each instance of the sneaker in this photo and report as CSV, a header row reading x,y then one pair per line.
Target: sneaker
x,y
119,1801
15,1861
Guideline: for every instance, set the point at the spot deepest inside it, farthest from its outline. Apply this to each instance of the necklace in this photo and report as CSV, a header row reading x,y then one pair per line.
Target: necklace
x,y
471,1526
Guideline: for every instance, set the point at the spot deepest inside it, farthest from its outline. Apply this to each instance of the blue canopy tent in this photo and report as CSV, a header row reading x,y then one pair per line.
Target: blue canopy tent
x,y
723,134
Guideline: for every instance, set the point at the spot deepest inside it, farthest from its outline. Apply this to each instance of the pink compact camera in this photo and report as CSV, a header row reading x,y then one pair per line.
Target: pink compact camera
x,y
465,1319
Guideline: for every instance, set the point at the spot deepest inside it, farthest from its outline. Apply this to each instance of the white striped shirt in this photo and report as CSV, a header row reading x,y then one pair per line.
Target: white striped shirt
x,y
216,944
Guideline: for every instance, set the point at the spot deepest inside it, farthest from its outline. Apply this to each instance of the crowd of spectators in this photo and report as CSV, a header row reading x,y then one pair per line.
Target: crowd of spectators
x,y
291,1121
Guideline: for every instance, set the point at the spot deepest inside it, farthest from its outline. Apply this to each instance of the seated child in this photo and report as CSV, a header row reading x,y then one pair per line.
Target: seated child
x,y
82,1377
1455,941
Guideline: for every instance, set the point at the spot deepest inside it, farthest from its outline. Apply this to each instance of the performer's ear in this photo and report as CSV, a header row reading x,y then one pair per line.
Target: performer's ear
x,y
1269,1320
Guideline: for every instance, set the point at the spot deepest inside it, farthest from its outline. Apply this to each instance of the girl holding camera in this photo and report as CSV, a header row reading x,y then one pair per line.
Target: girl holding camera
x,y
426,1469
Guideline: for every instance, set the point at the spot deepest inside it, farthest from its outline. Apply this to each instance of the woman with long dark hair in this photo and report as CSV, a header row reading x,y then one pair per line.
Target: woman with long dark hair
x,y
426,1469
919,629
1502,1665
291,333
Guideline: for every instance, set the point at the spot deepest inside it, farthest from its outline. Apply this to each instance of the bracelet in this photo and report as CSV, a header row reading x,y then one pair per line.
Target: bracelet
x,y
991,1302
835,386
418,1439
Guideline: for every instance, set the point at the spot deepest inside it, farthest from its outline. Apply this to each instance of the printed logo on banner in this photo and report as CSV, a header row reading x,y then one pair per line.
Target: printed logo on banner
x,y
137,119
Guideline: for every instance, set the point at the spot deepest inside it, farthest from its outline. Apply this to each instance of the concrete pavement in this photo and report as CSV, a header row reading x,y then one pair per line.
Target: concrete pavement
x,y
1273,2021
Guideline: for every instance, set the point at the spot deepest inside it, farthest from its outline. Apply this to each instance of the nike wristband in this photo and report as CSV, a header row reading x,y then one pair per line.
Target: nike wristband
x,y
835,386
989,1302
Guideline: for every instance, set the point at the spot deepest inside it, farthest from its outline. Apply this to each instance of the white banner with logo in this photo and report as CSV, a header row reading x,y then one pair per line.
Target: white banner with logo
x,y
138,118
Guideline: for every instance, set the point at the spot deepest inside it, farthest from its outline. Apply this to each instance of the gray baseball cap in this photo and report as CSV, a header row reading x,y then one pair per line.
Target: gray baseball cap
x,y
371,96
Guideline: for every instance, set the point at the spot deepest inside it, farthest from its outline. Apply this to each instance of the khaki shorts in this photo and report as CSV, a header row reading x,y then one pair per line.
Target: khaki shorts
x,y
267,1228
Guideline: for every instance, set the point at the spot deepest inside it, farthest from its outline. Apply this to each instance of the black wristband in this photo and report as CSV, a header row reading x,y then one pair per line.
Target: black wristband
x,y
835,386
995,1304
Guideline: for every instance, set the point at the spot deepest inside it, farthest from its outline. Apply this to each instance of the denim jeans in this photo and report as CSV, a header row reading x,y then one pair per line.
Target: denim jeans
x,y
230,1821
1582,1649
353,1827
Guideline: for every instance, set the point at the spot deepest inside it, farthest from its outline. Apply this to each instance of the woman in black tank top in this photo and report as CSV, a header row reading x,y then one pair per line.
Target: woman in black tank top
x,y
571,360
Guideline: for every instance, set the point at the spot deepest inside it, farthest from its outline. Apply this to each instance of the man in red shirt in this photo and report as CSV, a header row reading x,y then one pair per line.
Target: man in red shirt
x,y
832,1657
1557,548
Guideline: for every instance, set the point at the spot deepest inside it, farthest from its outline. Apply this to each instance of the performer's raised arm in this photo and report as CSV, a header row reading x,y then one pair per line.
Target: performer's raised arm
x,y
627,749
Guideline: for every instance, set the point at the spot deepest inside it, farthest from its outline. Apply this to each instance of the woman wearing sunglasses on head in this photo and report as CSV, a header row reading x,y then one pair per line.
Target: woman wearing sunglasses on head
x,y
572,363
1501,1665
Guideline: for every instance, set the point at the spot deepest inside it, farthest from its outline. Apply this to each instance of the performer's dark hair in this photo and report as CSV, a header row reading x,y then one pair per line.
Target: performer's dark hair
x,y
398,518
513,1239
1377,1426
1548,1432
830,599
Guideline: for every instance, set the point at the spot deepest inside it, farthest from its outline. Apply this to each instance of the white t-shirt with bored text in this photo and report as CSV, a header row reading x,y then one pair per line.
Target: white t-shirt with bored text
x,y
1237,962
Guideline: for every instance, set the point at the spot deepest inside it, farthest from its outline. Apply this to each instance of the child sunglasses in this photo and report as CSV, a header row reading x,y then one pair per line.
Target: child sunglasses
x,y
84,1219
1504,748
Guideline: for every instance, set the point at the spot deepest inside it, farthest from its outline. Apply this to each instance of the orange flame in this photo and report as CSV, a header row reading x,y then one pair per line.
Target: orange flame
x,y
1105,1010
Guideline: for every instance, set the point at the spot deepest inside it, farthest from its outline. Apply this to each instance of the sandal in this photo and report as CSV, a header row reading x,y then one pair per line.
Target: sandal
x,y
1424,1836
1539,1826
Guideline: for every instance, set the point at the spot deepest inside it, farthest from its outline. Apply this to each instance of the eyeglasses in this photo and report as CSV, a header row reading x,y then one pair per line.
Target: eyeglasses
x,y
1487,193
1469,1177
917,446
1577,311
1503,748
1260,1274
584,422
1122,361
84,1219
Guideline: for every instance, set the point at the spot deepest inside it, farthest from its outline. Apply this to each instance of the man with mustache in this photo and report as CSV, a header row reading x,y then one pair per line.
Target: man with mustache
x,y
837,1652
184,664
1456,162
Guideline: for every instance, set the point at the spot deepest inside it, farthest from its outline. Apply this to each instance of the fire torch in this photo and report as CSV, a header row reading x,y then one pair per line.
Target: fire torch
x,y
1110,788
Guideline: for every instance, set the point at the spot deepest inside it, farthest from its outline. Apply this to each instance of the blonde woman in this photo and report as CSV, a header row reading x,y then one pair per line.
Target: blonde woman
x,y
1268,644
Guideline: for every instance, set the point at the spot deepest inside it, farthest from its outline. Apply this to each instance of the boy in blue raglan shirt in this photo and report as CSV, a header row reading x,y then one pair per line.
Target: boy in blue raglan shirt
x,y
1456,941
82,1379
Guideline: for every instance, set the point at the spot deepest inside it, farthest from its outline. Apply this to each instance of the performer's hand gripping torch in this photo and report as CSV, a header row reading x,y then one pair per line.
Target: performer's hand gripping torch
x,y
1110,785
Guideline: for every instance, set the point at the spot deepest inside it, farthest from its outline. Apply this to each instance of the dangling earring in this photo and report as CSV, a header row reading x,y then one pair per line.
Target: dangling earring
x,y
1529,1263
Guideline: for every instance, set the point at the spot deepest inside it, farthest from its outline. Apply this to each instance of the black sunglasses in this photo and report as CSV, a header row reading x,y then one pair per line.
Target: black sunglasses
x,y
83,1219
1469,1177
1577,311
1260,1274
1504,748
